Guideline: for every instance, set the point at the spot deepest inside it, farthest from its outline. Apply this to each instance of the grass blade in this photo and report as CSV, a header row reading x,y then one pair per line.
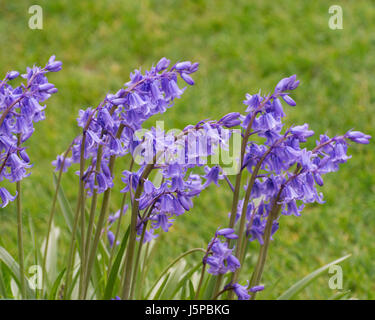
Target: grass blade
x,y
115,268
300,285
162,286
55,287
14,268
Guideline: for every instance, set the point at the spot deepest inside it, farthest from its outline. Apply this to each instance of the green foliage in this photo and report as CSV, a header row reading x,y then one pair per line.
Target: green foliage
x,y
302,284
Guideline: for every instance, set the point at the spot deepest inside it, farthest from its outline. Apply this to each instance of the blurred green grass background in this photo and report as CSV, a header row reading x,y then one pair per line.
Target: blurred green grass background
x,y
243,46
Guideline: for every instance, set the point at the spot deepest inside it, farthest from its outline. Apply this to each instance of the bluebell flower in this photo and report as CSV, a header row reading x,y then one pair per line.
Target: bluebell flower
x,y
219,256
241,291
358,137
59,162
6,197
212,175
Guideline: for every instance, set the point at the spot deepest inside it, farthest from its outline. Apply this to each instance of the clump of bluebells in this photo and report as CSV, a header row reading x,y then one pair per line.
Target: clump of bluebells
x,y
276,174
283,176
20,108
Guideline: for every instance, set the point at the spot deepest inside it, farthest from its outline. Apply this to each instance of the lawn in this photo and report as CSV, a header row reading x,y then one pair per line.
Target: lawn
x,y
242,46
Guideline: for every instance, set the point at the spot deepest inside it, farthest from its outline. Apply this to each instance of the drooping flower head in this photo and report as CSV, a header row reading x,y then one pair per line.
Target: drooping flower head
x,y
20,108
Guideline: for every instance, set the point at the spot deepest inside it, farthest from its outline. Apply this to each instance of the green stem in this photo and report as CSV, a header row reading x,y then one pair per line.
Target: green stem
x,y
83,250
100,223
143,273
200,281
51,217
101,219
135,271
258,271
20,233
94,199
82,201
236,192
133,233
241,236
123,203
221,292
20,241
76,219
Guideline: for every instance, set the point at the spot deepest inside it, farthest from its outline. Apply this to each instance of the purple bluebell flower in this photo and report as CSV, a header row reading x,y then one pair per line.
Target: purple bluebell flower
x,y
111,238
230,120
59,162
21,107
6,197
242,292
212,175
227,233
144,95
358,137
113,218
219,256
257,288
13,75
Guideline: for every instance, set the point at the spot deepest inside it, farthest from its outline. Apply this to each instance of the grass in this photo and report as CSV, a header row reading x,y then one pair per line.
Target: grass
x,y
242,46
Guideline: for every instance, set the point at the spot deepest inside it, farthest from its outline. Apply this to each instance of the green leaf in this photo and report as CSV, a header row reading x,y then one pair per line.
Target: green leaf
x,y
65,207
56,285
3,293
52,252
300,285
33,239
171,265
14,268
14,287
188,276
67,211
73,291
209,287
115,267
340,295
161,287
174,278
192,291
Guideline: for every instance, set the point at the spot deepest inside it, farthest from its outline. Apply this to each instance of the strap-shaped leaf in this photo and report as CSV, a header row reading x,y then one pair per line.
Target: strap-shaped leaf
x,y
184,280
14,268
115,267
56,285
300,285
65,207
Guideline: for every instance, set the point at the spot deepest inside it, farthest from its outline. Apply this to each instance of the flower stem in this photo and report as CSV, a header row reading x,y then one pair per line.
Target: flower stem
x,y
258,271
123,203
20,234
236,191
91,256
76,219
100,223
241,236
133,233
200,281
136,264
51,217
144,271
90,226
